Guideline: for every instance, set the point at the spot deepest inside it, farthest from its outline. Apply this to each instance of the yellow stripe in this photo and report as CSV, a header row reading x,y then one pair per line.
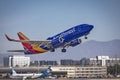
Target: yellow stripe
x,y
36,47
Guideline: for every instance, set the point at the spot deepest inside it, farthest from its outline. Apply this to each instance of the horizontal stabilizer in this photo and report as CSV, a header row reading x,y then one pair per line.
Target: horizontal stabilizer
x,y
15,50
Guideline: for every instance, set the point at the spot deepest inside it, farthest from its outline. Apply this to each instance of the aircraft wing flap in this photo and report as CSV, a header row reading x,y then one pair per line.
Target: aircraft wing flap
x,y
39,42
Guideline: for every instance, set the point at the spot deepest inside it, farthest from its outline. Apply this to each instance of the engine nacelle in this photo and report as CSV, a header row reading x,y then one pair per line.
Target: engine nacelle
x,y
75,42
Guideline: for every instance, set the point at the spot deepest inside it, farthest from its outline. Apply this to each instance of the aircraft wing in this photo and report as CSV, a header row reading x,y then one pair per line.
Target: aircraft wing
x,y
46,42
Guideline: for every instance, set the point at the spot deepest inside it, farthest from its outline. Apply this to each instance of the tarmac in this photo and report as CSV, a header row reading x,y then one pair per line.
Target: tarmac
x,y
70,79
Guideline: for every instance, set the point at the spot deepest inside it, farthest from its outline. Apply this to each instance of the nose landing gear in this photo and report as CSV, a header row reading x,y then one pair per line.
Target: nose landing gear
x,y
63,50
86,37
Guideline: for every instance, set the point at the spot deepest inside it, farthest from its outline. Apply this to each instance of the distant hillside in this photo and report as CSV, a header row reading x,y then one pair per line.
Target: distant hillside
x,y
88,49
93,48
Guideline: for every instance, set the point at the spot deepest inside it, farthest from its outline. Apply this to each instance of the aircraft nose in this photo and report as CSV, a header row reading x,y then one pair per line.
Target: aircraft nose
x,y
91,27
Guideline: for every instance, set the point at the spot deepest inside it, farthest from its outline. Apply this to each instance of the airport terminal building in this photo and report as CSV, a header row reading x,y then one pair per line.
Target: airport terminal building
x,y
104,61
16,61
80,72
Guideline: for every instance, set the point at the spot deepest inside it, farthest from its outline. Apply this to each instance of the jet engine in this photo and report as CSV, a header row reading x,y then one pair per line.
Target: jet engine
x,y
75,42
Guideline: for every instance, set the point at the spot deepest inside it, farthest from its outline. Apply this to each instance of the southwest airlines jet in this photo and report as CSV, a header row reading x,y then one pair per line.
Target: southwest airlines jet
x,y
70,37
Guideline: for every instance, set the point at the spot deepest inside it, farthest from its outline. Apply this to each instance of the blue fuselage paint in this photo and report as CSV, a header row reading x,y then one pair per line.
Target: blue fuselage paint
x,y
71,34
67,36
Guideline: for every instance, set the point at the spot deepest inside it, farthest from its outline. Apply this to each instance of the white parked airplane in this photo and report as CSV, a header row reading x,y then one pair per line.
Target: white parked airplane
x,y
43,74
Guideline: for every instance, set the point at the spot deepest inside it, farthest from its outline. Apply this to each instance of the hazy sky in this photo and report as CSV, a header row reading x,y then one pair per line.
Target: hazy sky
x,y
39,19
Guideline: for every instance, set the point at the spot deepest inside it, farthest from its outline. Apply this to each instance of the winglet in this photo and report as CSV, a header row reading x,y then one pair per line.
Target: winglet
x,y
8,38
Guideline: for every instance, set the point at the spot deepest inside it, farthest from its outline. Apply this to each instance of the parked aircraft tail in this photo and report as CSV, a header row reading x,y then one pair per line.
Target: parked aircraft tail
x,y
13,71
46,72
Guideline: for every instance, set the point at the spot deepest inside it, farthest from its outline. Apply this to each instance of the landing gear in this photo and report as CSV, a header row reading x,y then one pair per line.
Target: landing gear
x,y
86,37
52,50
79,40
63,50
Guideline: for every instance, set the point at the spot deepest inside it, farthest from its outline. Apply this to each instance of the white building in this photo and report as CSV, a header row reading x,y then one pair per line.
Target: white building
x,y
104,61
17,61
78,71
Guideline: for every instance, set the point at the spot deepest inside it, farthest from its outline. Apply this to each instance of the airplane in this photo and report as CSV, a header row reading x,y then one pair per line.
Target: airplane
x,y
43,74
70,37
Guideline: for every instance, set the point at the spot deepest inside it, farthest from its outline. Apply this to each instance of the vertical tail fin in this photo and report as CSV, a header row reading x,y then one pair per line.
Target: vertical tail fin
x,y
47,71
13,71
23,37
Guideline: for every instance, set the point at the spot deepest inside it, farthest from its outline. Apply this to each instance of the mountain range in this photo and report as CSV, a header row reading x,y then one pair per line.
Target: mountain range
x,y
87,49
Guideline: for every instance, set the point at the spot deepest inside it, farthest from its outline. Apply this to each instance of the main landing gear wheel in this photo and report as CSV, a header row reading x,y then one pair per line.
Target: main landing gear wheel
x,y
63,50
86,37
52,50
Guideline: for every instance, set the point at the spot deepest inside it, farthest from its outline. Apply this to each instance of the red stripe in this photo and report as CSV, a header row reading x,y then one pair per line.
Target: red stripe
x,y
28,46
